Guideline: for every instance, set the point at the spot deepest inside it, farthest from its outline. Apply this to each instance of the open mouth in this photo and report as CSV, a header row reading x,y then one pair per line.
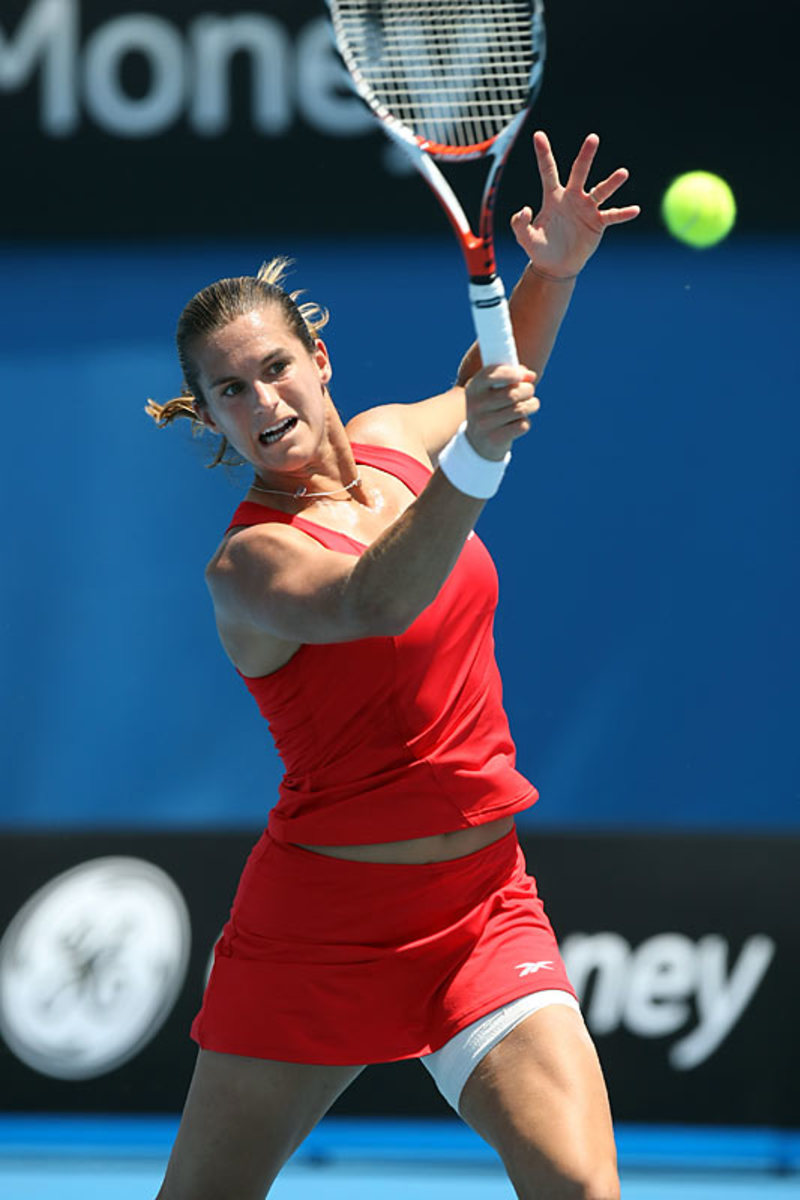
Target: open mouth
x,y
277,431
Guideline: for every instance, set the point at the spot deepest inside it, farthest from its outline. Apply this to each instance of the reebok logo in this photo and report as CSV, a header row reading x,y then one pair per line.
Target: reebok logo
x,y
530,968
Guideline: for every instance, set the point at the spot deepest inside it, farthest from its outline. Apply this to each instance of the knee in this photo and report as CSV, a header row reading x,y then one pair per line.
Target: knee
x,y
598,1186
603,1185
579,1179
598,1183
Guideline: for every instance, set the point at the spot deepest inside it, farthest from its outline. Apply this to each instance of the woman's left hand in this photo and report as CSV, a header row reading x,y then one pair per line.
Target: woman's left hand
x,y
568,227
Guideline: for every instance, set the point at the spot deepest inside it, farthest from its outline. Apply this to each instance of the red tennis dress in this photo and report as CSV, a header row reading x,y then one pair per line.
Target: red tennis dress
x,y
326,960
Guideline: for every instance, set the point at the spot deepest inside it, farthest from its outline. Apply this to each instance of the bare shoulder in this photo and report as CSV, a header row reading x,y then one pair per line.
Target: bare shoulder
x,y
251,548
389,425
237,576
422,429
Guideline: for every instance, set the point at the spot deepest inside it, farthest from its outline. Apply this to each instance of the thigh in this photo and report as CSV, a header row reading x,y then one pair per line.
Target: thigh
x,y
540,1099
242,1120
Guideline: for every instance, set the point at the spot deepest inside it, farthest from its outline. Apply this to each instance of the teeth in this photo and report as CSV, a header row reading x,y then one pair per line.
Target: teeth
x,y
277,431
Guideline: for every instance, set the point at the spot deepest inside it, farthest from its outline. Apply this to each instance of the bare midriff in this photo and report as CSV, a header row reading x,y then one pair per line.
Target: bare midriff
x,y
440,848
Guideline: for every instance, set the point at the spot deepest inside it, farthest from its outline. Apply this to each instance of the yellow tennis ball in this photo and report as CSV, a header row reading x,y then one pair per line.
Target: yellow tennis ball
x,y
699,208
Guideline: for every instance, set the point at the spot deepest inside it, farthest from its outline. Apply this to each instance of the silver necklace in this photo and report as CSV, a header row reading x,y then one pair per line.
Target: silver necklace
x,y
302,493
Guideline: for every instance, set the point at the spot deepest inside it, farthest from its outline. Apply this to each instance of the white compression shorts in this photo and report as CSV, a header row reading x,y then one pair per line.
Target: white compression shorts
x,y
452,1065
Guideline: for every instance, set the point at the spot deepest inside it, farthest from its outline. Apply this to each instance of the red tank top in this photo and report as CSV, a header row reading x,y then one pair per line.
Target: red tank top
x,y
388,738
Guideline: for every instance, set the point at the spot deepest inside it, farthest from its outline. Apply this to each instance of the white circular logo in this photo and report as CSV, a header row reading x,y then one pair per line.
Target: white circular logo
x,y
91,966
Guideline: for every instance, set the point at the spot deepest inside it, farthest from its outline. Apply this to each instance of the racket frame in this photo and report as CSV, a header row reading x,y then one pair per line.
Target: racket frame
x,y
486,292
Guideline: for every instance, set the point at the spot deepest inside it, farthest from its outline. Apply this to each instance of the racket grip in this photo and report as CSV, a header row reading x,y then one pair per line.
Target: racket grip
x,y
492,322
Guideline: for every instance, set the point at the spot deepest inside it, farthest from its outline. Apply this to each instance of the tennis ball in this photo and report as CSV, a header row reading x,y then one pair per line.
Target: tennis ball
x,y
698,208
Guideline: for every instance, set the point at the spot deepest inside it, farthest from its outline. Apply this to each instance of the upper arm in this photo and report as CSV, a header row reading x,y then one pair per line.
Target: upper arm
x,y
278,581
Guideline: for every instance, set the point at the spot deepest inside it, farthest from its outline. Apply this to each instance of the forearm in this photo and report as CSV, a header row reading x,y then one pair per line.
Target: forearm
x,y
538,305
402,571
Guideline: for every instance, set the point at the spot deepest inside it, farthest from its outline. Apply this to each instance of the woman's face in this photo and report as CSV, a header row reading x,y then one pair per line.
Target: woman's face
x,y
263,390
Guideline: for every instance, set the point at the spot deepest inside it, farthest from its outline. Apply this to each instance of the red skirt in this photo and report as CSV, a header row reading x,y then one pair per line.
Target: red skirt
x,y
329,961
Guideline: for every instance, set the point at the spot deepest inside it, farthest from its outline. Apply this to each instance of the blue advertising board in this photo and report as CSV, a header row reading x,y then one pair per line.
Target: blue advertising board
x,y
646,534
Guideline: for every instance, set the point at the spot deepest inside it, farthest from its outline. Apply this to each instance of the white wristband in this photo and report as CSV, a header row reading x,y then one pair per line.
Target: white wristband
x,y
469,471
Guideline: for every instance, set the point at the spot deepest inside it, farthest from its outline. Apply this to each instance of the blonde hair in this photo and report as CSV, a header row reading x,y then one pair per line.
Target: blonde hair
x,y
211,310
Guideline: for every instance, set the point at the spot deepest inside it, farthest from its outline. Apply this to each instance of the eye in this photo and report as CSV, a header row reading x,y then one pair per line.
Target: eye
x,y
231,389
277,367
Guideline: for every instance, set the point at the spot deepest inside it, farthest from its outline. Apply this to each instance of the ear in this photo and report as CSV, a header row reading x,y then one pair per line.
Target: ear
x,y
323,361
202,414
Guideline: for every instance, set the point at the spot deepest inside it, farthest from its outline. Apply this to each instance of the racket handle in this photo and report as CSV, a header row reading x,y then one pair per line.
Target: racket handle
x,y
493,322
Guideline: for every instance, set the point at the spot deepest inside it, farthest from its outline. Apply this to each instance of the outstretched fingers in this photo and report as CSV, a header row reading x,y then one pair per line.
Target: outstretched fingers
x,y
617,216
546,162
522,218
565,232
603,190
583,163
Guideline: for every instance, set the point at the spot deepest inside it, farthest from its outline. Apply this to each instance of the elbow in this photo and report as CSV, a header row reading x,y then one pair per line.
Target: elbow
x,y
399,622
389,605
387,619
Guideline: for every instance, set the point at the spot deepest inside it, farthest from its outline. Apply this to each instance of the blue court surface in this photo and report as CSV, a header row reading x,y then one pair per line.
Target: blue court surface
x,y
74,1158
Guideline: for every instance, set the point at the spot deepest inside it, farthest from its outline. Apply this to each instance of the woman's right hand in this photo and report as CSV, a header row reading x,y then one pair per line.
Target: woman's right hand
x,y
500,401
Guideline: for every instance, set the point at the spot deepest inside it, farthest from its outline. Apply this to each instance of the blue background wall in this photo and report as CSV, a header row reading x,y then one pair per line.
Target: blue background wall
x,y
647,534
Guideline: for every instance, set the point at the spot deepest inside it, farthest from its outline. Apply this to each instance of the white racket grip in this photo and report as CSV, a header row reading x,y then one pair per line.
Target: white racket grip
x,y
493,322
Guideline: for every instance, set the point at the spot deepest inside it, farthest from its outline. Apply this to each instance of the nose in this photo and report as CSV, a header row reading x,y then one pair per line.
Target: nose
x,y
264,394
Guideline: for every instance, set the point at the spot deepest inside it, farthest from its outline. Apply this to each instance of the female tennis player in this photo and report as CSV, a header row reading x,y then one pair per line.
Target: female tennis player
x,y
386,912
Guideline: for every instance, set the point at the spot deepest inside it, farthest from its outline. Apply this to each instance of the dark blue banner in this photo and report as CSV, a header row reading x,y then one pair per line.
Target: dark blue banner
x,y
171,117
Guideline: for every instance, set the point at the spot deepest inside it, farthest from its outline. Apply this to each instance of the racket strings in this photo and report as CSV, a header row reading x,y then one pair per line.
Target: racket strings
x,y
454,72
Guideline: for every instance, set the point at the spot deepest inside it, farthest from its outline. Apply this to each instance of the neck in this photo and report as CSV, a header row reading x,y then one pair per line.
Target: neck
x,y
334,475
304,493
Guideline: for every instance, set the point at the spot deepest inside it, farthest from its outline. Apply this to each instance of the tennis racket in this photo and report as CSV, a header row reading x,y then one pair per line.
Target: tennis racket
x,y
451,81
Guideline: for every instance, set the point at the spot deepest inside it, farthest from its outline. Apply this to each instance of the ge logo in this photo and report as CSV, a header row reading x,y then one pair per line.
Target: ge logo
x,y
91,966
